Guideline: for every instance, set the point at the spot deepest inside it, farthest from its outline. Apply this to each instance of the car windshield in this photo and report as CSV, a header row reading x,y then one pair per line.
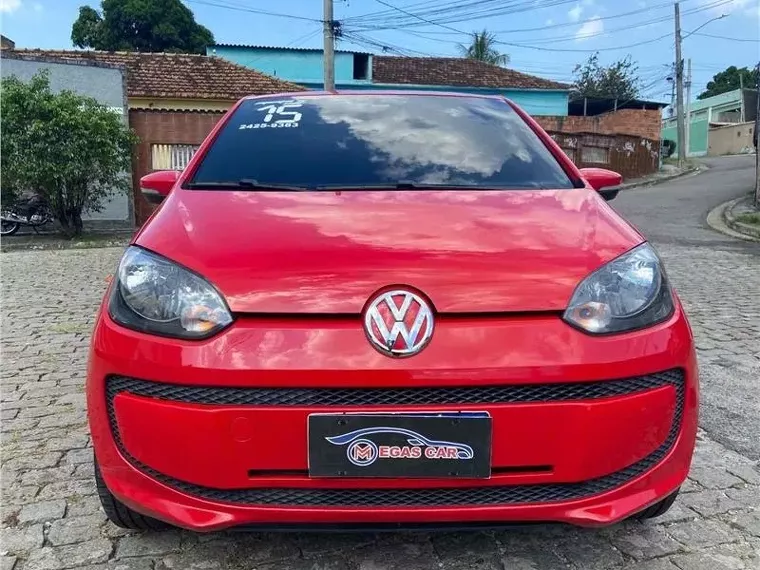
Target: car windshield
x,y
388,141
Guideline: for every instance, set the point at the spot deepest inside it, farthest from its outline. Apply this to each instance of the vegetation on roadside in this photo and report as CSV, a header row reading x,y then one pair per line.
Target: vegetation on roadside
x,y
140,25
730,79
72,150
482,47
750,218
618,80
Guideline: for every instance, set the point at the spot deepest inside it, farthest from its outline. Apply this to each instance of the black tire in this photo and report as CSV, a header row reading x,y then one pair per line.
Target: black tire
x,y
9,228
120,514
658,509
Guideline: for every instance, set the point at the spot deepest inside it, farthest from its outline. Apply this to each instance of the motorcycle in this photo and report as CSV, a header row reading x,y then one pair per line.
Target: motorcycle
x,y
30,210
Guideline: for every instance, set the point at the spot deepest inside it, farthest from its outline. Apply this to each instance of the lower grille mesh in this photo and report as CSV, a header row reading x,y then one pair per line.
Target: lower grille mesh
x,y
418,497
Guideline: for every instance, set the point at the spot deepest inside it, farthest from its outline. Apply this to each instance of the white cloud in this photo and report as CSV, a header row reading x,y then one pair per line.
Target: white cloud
x,y
9,6
590,27
549,22
727,8
575,13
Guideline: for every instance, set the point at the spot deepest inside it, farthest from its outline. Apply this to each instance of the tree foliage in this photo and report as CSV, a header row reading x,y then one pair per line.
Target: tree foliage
x,y
482,47
619,80
140,25
730,79
69,148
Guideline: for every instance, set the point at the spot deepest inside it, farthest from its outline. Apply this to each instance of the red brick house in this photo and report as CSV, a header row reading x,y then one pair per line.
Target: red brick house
x,y
174,100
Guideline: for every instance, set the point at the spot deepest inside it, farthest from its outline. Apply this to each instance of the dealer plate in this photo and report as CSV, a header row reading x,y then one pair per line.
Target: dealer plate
x,y
400,445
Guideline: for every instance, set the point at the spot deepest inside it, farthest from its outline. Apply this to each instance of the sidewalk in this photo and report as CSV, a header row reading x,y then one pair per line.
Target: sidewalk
x,y
741,216
666,173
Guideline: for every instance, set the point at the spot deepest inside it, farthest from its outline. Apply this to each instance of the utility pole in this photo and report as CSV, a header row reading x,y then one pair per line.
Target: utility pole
x,y
687,137
757,139
679,90
329,49
741,97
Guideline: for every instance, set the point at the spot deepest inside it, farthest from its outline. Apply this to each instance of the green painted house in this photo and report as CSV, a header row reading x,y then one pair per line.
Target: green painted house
x,y
736,106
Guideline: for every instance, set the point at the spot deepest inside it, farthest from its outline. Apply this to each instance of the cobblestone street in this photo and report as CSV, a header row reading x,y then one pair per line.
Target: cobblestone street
x,y
51,517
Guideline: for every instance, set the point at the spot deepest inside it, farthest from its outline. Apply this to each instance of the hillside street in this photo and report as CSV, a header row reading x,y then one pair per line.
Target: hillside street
x,y
51,517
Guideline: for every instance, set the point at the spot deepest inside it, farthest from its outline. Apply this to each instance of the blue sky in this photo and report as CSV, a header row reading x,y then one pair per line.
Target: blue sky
x,y
542,37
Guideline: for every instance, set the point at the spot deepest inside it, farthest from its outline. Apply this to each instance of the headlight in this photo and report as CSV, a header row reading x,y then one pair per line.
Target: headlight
x,y
630,292
156,296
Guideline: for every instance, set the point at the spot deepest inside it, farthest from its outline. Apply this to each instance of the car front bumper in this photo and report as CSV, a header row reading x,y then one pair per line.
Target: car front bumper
x,y
210,435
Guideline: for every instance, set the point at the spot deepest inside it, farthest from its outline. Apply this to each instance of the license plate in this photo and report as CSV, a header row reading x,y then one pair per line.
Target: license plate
x,y
400,445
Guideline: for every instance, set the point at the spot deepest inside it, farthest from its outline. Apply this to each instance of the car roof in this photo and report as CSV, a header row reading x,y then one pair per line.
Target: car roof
x,y
365,93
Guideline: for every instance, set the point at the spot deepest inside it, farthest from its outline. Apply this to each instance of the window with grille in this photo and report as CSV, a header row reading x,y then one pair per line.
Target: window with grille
x,y
595,155
171,156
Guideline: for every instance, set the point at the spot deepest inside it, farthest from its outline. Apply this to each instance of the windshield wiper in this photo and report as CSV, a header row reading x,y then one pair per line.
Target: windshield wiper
x,y
406,185
246,184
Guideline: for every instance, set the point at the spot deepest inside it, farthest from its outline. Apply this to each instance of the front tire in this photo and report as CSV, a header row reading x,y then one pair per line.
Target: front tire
x,y
658,509
8,228
119,513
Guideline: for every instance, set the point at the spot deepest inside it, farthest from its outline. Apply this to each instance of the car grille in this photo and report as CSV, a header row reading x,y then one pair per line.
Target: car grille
x,y
505,394
417,497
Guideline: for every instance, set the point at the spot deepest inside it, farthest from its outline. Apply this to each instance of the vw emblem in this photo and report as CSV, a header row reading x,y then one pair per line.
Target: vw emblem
x,y
399,323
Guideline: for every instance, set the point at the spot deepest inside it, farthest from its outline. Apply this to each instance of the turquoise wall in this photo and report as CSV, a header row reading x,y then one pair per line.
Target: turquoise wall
x,y
298,66
305,68
698,135
534,102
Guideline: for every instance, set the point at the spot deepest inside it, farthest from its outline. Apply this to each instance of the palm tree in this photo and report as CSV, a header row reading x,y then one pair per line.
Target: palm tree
x,y
482,49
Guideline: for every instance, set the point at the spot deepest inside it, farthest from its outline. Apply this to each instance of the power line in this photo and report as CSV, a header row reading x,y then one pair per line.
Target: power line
x,y
725,38
240,8
652,8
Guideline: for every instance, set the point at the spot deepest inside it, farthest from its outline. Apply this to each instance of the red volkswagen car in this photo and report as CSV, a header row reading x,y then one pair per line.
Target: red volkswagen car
x,y
380,309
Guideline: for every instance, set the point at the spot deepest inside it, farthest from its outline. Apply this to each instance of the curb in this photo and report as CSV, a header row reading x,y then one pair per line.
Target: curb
x,y
718,217
656,181
735,224
7,244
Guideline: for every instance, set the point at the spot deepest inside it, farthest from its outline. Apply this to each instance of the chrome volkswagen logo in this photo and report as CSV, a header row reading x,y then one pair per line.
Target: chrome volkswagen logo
x,y
399,323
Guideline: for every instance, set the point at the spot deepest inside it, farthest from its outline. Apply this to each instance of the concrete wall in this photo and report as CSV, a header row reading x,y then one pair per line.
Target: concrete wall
x,y
298,66
644,123
731,139
107,86
535,102
164,127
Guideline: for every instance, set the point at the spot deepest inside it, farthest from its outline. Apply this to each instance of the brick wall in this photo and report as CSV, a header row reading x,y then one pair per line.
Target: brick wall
x,y
163,127
643,123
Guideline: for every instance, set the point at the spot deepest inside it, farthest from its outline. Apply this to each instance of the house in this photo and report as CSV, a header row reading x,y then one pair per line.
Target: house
x,y
6,43
104,82
722,124
172,100
359,71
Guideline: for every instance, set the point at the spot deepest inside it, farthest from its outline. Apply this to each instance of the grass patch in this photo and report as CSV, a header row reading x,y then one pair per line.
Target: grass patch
x,y
749,218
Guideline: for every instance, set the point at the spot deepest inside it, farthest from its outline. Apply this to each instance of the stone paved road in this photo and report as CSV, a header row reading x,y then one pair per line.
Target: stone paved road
x,y
51,518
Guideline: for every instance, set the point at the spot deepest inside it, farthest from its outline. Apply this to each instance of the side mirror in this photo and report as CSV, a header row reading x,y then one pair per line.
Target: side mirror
x,y
601,178
157,185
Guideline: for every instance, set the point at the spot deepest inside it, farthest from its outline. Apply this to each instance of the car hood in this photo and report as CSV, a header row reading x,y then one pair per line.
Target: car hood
x,y
329,252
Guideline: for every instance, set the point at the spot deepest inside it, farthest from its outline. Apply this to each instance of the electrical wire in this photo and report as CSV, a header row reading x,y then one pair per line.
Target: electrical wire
x,y
725,38
241,8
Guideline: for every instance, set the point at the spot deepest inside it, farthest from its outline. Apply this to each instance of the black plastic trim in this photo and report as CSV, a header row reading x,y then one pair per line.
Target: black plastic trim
x,y
480,495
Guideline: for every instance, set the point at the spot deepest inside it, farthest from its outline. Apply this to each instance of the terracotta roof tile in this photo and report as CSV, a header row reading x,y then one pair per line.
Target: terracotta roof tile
x,y
455,72
178,76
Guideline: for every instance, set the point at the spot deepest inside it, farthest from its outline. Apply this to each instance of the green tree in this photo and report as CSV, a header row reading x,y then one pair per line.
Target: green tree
x,y
140,25
618,80
69,148
730,79
482,48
